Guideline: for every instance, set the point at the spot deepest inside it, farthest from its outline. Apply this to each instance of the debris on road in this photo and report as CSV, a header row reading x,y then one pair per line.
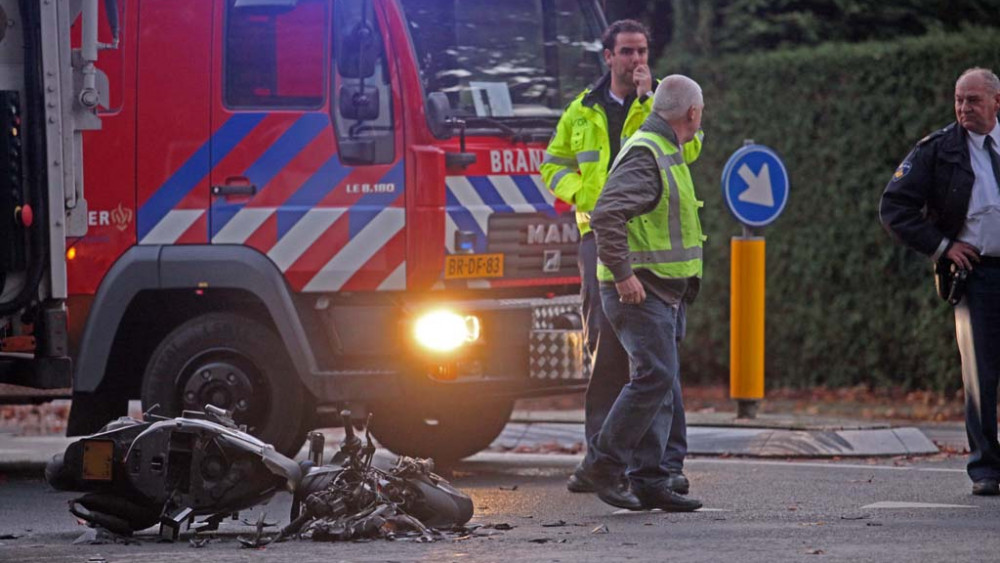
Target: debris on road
x,y
602,529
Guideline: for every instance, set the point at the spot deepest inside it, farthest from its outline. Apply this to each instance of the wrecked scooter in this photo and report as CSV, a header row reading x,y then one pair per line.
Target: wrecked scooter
x,y
139,473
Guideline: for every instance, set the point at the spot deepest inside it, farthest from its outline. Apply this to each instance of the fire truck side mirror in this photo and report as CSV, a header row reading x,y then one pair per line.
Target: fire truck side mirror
x,y
438,112
360,103
358,52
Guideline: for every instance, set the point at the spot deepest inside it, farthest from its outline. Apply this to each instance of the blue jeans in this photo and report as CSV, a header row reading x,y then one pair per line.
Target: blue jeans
x,y
609,371
638,427
977,329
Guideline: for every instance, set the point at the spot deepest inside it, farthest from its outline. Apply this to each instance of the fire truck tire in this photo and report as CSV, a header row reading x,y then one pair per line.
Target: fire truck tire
x,y
232,362
444,434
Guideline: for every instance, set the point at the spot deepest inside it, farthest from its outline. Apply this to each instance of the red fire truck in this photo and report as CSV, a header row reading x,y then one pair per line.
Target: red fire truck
x,y
293,206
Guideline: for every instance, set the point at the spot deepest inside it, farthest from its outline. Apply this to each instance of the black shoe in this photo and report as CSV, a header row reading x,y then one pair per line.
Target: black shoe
x,y
678,483
986,487
667,500
578,482
616,493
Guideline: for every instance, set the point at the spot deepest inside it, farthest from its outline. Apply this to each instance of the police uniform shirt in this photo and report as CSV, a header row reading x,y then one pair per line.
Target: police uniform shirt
x,y
982,223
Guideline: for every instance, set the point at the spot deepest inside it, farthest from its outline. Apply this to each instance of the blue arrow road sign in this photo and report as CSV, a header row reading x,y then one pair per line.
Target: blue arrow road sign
x,y
755,185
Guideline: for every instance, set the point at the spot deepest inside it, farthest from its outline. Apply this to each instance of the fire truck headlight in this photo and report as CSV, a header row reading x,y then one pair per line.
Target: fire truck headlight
x,y
445,331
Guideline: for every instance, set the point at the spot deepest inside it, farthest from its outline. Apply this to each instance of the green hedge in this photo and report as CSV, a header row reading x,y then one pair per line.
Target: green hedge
x,y
845,305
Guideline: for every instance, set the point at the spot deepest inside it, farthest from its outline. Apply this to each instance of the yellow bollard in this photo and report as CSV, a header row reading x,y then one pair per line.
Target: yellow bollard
x,y
746,324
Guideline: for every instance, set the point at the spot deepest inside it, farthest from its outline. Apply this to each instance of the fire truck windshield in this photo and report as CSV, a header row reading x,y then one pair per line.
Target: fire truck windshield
x,y
519,61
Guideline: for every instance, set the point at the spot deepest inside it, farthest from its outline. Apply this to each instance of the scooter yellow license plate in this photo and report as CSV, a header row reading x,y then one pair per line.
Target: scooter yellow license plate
x,y
98,456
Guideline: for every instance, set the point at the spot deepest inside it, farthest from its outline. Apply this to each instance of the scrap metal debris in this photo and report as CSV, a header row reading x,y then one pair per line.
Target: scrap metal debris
x,y
602,529
351,499
258,539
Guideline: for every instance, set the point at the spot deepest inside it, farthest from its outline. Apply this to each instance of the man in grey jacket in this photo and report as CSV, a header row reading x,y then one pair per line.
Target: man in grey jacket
x,y
649,247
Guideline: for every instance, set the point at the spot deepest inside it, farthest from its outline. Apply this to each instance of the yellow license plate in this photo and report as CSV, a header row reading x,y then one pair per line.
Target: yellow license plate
x,y
462,266
97,459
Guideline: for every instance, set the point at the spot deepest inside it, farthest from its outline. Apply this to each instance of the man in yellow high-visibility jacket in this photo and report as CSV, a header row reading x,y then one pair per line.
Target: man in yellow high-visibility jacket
x,y
575,167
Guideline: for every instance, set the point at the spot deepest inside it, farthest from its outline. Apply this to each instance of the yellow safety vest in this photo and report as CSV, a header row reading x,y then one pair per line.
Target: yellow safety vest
x,y
668,240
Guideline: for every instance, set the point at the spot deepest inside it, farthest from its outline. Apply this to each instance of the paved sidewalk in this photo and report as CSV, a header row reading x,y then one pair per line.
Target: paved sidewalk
x,y
768,435
712,434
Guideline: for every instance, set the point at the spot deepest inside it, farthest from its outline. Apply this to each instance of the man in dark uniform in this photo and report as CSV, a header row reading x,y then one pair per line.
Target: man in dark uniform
x,y
944,201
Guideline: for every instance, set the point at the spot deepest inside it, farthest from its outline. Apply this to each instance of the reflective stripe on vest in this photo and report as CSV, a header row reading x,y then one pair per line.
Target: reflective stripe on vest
x,y
558,160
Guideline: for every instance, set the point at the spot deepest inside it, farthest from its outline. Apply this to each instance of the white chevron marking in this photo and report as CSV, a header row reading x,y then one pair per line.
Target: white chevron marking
x,y
242,225
358,251
467,197
172,226
303,235
396,280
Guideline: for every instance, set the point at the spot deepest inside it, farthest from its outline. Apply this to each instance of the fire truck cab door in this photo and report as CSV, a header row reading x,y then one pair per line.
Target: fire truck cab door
x,y
306,163
174,42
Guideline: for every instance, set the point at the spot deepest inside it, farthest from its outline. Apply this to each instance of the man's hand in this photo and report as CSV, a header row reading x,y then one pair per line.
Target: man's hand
x,y
962,254
643,80
630,290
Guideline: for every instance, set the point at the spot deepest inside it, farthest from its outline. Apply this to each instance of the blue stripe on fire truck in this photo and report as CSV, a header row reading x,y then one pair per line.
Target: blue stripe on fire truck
x,y
386,191
312,191
196,168
273,161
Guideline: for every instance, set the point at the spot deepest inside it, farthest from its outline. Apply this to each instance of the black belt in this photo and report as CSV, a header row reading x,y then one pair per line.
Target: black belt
x,y
987,262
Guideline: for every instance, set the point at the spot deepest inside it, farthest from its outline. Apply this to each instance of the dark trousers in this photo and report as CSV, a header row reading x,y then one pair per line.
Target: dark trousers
x,y
609,364
638,427
977,330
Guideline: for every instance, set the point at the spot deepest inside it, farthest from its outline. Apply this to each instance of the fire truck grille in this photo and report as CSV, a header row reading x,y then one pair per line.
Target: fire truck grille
x,y
535,245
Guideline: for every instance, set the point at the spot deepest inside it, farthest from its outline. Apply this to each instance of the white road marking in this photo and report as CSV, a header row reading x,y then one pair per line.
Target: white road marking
x,y
824,465
896,504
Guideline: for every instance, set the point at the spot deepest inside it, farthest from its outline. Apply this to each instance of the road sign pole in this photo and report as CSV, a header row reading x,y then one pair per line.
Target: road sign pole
x,y
755,187
746,324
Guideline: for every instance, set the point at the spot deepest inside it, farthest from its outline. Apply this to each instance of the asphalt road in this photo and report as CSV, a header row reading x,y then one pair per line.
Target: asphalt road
x,y
755,511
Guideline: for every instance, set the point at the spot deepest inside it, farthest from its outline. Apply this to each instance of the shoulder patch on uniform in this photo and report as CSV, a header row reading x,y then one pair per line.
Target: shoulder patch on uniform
x,y
901,171
933,135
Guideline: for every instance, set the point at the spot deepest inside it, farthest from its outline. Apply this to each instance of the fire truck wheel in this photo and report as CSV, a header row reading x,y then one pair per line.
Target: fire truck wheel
x,y
445,434
235,363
